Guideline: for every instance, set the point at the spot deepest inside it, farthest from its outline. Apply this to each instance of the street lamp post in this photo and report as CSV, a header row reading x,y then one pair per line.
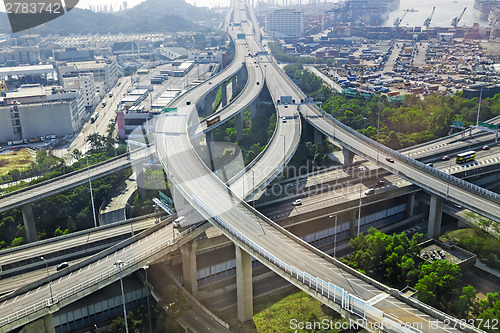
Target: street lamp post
x,y
50,282
359,208
284,153
145,268
335,235
119,264
91,194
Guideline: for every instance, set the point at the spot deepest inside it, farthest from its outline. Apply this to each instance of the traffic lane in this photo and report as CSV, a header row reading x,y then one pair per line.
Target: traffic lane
x,y
277,150
84,274
406,170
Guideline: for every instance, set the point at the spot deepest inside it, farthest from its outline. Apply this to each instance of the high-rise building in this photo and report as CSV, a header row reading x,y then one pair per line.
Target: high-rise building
x,y
285,23
103,70
85,82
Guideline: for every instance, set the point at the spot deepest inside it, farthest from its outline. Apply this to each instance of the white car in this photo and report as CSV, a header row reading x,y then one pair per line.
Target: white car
x,y
370,191
297,202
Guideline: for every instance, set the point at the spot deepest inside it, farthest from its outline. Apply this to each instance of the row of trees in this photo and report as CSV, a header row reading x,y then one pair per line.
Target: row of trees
x,y
71,210
174,302
281,55
257,131
413,121
394,259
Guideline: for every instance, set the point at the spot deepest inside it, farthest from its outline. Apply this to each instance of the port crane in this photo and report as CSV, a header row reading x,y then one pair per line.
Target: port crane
x,y
428,20
456,20
3,88
397,20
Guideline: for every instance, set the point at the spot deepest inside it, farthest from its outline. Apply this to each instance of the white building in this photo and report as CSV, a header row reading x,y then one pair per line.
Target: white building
x,y
205,57
35,111
85,82
285,23
103,70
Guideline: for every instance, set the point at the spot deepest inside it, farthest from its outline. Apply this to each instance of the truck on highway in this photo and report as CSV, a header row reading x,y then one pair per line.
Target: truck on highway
x,y
94,117
182,222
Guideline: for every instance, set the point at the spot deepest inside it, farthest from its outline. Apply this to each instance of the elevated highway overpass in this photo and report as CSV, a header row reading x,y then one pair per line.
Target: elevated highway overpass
x,y
346,291
340,287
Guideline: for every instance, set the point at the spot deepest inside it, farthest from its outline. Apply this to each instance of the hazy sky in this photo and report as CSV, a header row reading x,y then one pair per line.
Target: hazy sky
x,y
116,3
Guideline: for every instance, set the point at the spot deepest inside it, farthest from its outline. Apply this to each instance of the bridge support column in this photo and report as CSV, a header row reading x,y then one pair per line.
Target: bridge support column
x,y
209,102
244,288
318,136
189,268
139,178
234,84
353,215
29,222
410,207
435,217
210,139
224,93
239,126
348,156
253,107
42,325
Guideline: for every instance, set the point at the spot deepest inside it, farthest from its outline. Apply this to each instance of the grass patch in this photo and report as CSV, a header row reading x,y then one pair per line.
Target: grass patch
x,y
479,242
276,317
456,234
20,160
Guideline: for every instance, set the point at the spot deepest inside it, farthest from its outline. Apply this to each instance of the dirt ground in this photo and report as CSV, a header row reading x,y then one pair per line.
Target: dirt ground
x,y
20,159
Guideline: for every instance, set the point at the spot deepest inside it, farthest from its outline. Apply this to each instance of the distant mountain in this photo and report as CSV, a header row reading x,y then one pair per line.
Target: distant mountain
x,y
149,16
154,9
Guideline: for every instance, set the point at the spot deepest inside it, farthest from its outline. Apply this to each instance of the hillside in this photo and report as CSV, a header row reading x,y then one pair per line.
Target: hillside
x,y
149,16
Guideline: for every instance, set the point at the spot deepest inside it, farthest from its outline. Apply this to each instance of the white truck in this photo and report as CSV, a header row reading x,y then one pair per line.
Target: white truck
x,y
181,222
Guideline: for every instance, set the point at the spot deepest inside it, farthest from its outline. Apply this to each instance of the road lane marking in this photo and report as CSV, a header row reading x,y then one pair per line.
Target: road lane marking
x,y
377,298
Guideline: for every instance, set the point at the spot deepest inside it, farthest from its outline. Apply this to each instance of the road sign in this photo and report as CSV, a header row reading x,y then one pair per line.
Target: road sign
x,y
458,123
165,199
167,110
490,126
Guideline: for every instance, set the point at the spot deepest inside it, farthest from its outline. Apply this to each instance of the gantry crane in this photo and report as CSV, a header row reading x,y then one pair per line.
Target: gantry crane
x,y
3,88
456,20
428,20
397,20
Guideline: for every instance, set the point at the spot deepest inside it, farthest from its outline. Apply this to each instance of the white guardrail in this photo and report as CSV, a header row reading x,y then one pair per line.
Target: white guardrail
x,y
484,193
110,274
329,290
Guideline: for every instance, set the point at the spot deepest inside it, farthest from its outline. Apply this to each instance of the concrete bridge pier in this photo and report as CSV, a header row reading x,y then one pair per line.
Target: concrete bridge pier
x,y
318,136
29,222
410,207
209,101
348,156
42,325
353,215
435,217
244,290
234,84
253,107
239,126
189,267
224,93
139,178
210,139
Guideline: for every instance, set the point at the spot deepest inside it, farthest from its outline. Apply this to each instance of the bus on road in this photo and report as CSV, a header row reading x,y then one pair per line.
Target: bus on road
x,y
466,157
213,121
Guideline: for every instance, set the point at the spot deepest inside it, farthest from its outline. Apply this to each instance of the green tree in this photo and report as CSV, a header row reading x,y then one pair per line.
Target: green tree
x,y
76,154
97,142
438,283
